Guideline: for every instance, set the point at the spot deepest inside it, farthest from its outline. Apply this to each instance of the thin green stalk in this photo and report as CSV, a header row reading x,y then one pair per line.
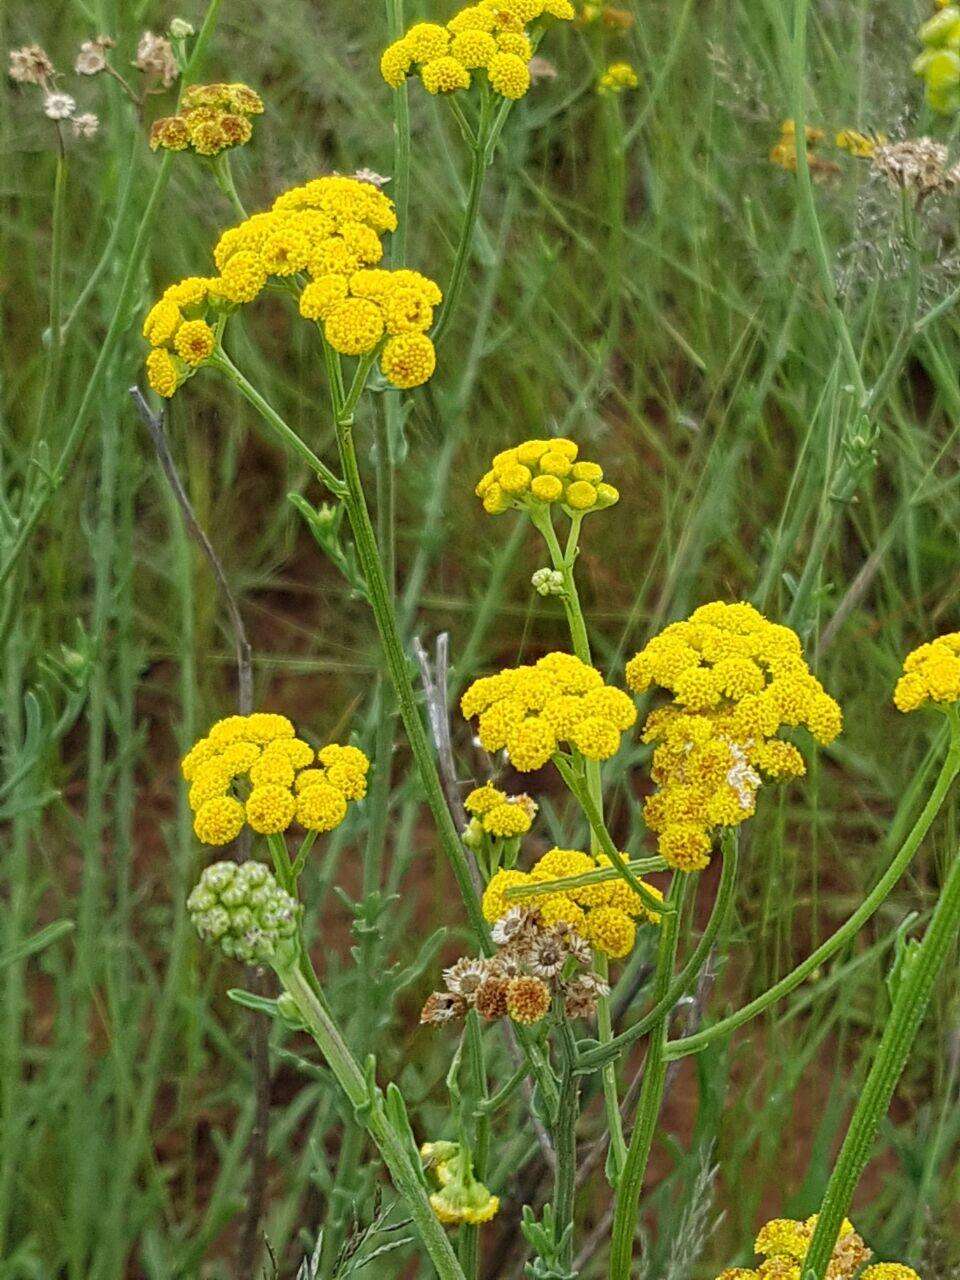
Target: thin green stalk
x,y
371,1113
223,172
284,433
401,145
651,1094
563,561
577,784
478,169
565,1136
951,767
469,1251
688,973
55,348
906,1015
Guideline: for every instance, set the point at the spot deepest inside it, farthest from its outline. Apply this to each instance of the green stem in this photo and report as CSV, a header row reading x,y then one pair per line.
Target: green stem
x,y
478,169
469,1251
848,930
223,172
401,145
577,784
56,288
909,1006
565,1137
721,909
370,1112
651,1095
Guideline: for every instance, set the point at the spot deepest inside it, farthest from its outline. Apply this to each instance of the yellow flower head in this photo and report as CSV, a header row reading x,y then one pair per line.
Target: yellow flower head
x,y
212,118
540,473
488,37
255,770
617,77
931,673
529,710
736,680
501,816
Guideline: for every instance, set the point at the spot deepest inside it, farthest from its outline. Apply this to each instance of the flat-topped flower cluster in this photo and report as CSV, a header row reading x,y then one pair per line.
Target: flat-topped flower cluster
x,y
531,710
254,770
736,680
212,118
931,673
541,473
488,37
329,229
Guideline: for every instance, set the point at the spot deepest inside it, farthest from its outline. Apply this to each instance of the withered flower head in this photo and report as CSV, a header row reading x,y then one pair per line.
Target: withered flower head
x,y
92,58
918,165
155,58
59,106
547,954
528,1000
443,1006
580,995
491,998
30,65
85,125
464,977
518,924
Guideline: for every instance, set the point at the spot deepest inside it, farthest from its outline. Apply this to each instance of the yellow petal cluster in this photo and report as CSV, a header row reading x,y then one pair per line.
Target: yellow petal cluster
x,y
530,710
178,329
329,230
501,816
539,473
783,1243
604,914
736,680
931,673
783,153
488,37
617,77
254,770
212,118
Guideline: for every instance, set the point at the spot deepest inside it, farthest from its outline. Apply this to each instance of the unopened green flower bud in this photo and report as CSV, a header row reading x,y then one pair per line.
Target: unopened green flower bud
x,y
472,835
180,28
607,495
547,582
289,1011
243,909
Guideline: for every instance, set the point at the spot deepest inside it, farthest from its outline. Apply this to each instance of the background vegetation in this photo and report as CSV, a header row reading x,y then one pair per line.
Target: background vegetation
x,y
643,282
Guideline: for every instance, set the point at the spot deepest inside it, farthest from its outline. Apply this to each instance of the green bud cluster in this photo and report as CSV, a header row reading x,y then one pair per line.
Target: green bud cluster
x,y
939,63
241,907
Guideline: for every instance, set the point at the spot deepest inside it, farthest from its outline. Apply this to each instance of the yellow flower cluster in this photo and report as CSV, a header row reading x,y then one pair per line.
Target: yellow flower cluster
x,y
610,17
538,473
489,36
603,914
861,145
212,118
736,680
931,673
329,229
783,1245
939,61
255,770
179,331
530,710
461,1198
617,77
501,816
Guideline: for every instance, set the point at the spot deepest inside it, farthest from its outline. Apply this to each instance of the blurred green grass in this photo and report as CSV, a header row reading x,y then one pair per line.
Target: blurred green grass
x,y
682,338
